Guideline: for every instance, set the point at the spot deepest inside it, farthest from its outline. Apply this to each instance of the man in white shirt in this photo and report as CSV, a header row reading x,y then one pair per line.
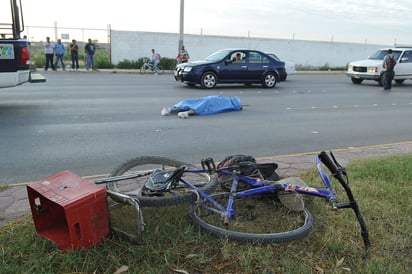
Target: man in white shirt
x,y
49,51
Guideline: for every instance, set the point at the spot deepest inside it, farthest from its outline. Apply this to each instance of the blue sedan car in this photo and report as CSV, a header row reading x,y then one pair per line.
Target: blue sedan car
x,y
231,66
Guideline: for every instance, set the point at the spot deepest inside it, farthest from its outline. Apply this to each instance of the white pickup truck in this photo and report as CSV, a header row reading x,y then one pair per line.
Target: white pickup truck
x,y
372,69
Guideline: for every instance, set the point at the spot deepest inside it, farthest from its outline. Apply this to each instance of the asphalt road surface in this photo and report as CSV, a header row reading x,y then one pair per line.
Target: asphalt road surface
x,y
91,122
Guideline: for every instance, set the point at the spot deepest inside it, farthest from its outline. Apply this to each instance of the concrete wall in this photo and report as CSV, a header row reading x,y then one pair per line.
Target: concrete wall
x,y
132,45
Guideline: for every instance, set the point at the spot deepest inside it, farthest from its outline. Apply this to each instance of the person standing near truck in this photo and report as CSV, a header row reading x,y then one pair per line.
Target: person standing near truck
x,y
49,52
389,63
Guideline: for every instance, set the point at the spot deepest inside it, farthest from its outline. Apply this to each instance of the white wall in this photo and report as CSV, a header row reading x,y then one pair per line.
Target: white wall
x,y
132,45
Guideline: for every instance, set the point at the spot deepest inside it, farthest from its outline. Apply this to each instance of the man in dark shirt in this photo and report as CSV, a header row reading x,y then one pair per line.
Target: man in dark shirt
x,y
89,49
74,51
389,63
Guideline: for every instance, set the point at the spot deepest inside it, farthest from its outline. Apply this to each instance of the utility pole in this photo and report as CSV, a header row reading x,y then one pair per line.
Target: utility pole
x,y
181,24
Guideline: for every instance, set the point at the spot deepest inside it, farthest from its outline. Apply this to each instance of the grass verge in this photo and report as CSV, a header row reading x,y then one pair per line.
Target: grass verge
x,y
172,244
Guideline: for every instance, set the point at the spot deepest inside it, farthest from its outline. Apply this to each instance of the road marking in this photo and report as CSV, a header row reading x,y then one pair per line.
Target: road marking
x,y
343,106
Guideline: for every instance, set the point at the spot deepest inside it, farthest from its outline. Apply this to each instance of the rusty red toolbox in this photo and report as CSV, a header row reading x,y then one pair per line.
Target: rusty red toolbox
x,y
69,210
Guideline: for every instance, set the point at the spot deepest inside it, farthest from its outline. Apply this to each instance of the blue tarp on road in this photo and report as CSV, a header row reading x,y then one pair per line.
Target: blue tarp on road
x,y
210,104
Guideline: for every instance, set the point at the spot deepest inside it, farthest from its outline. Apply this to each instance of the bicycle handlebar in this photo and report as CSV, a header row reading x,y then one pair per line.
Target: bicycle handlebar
x,y
327,161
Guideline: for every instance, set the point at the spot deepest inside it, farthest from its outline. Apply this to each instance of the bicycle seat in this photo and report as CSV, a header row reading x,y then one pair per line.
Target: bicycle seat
x,y
162,180
247,167
268,171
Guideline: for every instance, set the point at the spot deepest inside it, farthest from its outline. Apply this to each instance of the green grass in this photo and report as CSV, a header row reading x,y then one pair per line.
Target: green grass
x,y
172,244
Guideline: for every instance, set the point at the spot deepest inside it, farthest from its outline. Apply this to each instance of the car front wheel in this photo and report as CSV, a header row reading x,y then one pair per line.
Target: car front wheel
x,y
208,80
269,80
356,80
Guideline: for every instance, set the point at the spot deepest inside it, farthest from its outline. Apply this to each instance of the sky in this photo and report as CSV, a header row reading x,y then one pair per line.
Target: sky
x,y
382,22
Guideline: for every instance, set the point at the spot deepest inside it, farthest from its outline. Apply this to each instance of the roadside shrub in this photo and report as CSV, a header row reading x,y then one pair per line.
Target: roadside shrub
x,y
128,64
102,62
38,60
168,63
165,63
325,67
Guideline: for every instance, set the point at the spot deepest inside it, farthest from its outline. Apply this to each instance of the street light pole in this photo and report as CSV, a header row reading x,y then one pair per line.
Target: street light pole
x,y
181,24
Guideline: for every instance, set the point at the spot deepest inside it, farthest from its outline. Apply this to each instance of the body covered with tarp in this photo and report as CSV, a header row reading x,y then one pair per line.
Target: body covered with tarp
x,y
209,105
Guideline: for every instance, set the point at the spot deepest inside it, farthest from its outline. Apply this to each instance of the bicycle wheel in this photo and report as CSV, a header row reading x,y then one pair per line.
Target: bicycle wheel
x,y
143,69
146,165
257,218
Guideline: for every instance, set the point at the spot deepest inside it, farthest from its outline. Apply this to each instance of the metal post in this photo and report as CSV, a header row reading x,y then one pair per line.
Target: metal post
x,y
109,39
182,15
56,36
15,13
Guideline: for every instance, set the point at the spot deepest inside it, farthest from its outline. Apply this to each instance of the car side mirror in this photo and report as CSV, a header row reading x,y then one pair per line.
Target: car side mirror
x,y
404,59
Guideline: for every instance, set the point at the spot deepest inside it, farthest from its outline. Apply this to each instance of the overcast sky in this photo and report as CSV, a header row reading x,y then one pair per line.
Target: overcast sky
x,y
371,21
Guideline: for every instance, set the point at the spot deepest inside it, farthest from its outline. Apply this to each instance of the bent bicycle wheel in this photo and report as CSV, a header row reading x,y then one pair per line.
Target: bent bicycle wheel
x,y
145,166
260,219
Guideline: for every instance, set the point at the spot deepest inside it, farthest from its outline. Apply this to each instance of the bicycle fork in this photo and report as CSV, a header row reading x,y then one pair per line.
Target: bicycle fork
x,y
338,172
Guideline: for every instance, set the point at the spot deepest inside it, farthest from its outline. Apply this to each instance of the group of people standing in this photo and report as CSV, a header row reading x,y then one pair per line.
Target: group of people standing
x,y
58,49
51,49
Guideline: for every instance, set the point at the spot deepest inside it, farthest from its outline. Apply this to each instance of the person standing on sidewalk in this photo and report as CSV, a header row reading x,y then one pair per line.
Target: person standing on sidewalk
x,y
89,49
49,52
183,56
59,50
155,61
74,52
389,63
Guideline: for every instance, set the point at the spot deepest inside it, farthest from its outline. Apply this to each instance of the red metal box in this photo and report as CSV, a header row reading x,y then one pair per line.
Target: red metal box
x,y
69,210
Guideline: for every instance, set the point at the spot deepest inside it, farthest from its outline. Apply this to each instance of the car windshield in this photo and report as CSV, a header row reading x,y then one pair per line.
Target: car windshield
x,y
380,54
274,56
218,55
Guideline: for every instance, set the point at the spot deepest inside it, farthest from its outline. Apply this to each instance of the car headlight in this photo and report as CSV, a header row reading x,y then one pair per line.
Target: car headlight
x,y
187,69
350,68
373,69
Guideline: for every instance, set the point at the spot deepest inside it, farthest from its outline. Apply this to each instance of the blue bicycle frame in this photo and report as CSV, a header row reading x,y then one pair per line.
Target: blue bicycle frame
x,y
264,186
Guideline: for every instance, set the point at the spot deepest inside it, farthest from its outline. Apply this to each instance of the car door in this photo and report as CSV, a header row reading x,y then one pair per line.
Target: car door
x,y
404,66
234,68
258,64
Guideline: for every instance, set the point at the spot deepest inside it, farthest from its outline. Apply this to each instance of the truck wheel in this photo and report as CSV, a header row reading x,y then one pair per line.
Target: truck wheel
x,y
356,80
380,80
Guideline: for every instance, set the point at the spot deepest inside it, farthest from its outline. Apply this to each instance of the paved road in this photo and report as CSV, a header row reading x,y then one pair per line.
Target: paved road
x,y
90,122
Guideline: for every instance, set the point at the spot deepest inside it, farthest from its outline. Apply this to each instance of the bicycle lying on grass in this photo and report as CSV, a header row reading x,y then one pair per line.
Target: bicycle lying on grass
x,y
241,211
